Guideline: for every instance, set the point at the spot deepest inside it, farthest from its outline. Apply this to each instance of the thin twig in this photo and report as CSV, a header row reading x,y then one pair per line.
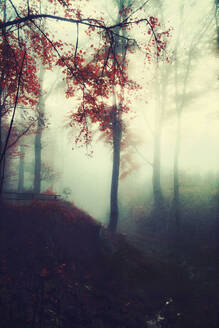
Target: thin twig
x,y
140,154
23,133
15,9
76,46
138,9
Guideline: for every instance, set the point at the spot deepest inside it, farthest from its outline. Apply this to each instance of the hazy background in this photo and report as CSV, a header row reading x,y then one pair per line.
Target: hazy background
x,y
88,177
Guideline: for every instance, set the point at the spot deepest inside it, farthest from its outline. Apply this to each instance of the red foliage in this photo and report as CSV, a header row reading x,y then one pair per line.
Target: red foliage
x,y
97,82
96,79
49,192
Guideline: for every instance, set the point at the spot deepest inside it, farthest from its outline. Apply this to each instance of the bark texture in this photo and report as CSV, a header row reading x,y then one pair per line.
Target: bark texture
x,y
117,134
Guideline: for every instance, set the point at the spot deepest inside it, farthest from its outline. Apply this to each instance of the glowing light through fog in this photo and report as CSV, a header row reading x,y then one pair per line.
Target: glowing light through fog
x,y
199,149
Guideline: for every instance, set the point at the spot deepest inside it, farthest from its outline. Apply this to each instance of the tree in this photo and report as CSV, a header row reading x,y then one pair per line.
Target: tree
x,y
18,82
217,19
98,77
25,125
217,215
180,101
161,82
100,81
41,120
120,50
21,170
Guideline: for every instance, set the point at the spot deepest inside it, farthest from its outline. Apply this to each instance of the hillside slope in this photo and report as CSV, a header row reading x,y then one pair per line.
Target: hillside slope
x,y
58,270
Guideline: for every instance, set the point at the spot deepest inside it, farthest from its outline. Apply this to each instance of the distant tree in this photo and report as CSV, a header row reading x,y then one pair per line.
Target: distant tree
x,y
25,126
21,170
217,194
217,19
41,124
161,82
182,73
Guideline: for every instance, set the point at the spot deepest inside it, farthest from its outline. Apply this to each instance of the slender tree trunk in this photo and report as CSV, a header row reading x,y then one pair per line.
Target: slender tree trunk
x,y
3,158
4,147
217,213
216,231
117,134
121,49
21,170
1,143
159,109
1,149
217,20
1,136
179,111
37,141
157,192
37,164
176,185
161,89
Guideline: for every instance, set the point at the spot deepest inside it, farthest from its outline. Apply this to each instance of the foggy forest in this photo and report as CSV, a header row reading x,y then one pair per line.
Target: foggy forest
x,y
109,164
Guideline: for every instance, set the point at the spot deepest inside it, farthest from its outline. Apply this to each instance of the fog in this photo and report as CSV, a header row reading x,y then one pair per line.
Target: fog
x,y
88,177
109,177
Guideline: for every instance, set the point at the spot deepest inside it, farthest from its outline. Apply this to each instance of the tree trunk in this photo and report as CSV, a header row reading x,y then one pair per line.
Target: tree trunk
x,y
1,149
120,48
37,166
216,231
176,199
157,192
217,20
2,159
2,155
217,214
161,89
117,134
38,137
21,170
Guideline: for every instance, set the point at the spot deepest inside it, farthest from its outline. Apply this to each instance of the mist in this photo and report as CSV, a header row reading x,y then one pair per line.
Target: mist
x,y
88,176
123,135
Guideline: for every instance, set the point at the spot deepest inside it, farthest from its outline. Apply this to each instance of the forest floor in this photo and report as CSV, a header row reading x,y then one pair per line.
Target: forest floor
x,y
60,268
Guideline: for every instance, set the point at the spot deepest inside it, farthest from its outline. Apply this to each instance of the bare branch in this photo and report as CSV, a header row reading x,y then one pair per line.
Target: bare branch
x,y
91,22
76,46
107,58
144,159
23,133
15,9
28,7
54,47
135,11
87,22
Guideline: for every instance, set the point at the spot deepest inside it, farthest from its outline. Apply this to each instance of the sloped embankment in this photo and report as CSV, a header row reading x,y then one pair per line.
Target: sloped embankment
x,y
56,271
